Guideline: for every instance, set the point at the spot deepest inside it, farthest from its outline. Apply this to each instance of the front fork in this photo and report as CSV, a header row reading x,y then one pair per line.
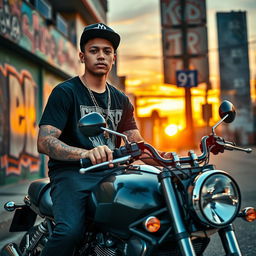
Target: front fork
x,y
184,241
229,241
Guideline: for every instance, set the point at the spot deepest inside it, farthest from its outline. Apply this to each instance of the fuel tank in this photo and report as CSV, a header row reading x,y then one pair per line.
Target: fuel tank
x,y
126,196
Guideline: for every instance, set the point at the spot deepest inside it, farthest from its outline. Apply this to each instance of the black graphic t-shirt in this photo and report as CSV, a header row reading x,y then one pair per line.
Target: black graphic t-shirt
x,y
70,100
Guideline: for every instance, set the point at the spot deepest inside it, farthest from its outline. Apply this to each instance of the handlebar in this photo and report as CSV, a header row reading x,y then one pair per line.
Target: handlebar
x,y
86,162
132,151
125,155
121,160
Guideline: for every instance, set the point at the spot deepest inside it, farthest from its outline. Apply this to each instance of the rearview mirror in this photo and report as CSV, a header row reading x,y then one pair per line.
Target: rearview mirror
x,y
90,124
227,108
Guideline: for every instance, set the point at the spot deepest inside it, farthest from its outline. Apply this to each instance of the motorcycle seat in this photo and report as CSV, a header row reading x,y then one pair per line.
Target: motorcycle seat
x,y
45,204
39,194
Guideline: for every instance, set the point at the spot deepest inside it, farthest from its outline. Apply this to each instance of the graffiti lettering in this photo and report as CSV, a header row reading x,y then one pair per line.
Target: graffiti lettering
x,y
31,126
17,112
9,23
29,30
21,148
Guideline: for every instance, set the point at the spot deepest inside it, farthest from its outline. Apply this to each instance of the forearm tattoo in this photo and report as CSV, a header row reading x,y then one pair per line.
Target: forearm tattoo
x,y
49,144
133,135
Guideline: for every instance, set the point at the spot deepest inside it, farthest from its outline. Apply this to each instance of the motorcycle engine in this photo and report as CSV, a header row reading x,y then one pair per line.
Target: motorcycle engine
x,y
105,246
105,251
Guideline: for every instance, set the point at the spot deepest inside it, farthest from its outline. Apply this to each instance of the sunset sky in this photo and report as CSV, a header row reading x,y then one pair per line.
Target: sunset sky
x,y
140,52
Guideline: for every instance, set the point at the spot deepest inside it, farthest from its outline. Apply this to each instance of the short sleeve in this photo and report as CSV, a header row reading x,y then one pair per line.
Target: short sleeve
x,y
57,109
128,121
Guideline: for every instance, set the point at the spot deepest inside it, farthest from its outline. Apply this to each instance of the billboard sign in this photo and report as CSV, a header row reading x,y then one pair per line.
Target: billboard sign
x,y
172,38
171,16
196,38
171,65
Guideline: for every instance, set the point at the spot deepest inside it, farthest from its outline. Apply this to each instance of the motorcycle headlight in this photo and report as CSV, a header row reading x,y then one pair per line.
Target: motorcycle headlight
x,y
216,198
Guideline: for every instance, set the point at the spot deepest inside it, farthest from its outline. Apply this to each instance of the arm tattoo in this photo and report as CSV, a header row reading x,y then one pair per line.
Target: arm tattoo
x,y
133,135
49,144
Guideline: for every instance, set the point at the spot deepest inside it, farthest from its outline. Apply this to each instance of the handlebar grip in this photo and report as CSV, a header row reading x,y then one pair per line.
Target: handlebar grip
x,y
117,153
86,162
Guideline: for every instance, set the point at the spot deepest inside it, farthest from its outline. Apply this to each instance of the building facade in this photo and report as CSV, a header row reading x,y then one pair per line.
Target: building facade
x,y
235,73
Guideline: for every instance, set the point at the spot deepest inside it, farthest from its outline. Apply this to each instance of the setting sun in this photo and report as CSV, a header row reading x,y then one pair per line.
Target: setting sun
x,y
171,129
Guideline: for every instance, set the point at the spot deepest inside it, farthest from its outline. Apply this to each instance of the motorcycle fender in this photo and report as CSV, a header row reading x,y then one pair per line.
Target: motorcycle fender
x,y
23,219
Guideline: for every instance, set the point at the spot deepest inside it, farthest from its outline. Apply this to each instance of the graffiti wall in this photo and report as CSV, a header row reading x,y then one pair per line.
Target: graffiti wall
x,y
21,24
18,121
25,86
49,82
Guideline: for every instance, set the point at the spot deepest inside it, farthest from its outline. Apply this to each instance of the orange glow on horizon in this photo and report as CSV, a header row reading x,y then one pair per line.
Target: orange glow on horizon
x,y
169,102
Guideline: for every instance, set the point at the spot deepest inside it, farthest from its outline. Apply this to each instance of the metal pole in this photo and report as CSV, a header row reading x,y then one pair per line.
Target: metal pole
x,y
206,102
185,57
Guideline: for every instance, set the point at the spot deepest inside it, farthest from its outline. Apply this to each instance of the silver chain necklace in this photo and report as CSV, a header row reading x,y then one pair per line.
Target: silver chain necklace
x,y
97,107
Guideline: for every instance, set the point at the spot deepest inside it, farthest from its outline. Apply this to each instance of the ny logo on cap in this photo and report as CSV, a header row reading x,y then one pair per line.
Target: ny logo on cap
x,y
101,26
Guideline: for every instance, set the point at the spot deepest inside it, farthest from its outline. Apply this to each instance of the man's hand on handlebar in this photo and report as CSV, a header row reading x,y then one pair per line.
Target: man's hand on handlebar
x,y
99,155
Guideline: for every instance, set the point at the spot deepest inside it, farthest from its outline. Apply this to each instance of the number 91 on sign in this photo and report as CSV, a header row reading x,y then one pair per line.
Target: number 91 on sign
x,y
186,78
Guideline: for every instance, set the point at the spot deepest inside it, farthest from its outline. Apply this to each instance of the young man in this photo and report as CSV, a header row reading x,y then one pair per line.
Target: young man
x,y
60,139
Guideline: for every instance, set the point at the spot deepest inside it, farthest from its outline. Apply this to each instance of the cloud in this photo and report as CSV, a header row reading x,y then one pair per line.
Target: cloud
x,y
234,5
126,12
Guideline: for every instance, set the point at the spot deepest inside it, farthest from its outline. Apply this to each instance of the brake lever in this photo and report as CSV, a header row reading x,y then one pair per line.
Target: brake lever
x,y
121,160
229,142
232,147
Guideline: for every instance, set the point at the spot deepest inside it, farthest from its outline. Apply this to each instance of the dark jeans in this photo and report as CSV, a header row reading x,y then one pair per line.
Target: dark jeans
x,y
69,192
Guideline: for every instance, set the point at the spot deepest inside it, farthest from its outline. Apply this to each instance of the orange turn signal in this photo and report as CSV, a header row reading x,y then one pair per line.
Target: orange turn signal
x,y
152,224
249,214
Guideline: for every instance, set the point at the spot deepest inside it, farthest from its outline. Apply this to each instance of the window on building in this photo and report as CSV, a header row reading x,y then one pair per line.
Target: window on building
x,y
61,24
236,55
44,8
72,31
239,83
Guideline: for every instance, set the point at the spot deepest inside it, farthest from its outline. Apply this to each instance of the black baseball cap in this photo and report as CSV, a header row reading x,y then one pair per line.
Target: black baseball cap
x,y
99,30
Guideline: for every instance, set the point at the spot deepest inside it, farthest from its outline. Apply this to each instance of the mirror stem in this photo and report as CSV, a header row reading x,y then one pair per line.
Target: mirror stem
x,y
216,125
124,137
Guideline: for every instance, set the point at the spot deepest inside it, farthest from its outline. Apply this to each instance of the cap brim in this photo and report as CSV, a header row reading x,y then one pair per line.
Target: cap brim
x,y
113,37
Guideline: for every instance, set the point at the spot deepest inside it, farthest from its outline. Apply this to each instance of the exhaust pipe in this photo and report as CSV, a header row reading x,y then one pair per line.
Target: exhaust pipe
x,y
10,249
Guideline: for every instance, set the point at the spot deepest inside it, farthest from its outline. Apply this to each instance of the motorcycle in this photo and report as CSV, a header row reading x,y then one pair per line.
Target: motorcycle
x,y
172,208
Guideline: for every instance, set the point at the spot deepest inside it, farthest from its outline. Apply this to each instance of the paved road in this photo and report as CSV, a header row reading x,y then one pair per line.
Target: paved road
x,y
242,167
